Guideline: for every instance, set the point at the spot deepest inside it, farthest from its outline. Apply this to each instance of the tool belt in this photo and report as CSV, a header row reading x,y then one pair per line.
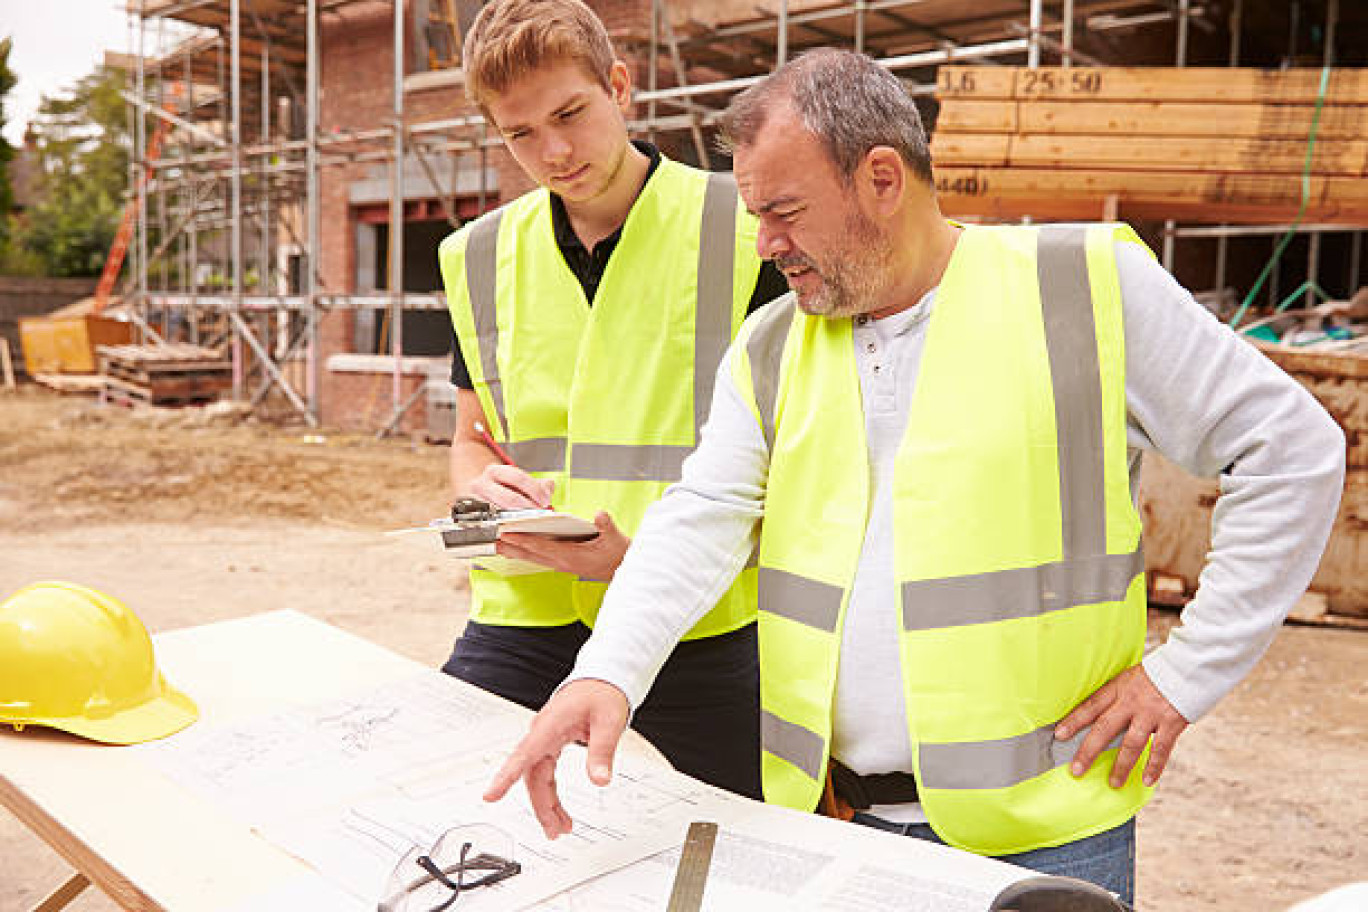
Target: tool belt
x,y
847,791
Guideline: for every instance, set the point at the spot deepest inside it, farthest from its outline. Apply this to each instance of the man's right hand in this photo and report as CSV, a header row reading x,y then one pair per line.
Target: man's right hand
x,y
586,711
510,488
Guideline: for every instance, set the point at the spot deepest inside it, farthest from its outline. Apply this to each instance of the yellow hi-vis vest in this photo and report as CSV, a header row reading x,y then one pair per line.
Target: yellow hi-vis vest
x,y
607,400
1020,582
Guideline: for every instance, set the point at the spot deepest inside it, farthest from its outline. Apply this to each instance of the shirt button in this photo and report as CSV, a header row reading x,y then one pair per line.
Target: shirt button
x,y
876,368
869,347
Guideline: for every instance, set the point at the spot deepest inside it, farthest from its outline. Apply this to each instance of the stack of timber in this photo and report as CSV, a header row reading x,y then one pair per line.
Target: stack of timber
x,y
1177,508
1192,144
162,374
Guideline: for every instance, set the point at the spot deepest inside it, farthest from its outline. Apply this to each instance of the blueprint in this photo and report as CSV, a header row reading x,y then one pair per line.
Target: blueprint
x,y
350,785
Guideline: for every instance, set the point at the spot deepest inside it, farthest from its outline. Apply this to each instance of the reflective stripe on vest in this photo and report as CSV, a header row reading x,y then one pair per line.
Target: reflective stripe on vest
x,y
712,334
1098,567
604,398
998,763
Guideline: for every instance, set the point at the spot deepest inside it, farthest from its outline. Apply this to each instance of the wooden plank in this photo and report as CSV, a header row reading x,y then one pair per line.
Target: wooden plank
x,y
1205,84
64,895
1166,153
6,364
71,383
1176,510
1199,197
179,391
1088,209
1151,118
976,149
976,81
1327,366
976,115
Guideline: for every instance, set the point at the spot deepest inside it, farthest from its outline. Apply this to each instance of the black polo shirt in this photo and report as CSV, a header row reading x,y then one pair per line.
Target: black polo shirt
x,y
589,266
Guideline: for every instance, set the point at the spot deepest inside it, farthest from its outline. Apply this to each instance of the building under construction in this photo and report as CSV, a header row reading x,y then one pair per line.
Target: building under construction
x,y
281,141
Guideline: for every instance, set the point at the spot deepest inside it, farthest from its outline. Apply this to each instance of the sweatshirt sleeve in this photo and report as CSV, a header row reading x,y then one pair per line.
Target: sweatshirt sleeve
x,y
1214,405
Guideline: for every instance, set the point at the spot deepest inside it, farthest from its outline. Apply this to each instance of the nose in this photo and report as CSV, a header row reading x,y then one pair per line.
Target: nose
x,y
771,242
556,148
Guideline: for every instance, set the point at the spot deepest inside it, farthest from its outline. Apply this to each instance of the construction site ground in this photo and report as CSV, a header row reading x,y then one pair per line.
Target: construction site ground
x,y
198,515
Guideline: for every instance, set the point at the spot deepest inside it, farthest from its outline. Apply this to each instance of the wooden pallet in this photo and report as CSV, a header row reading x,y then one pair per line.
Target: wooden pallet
x,y
139,363
70,383
1198,144
162,374
176,392
1177,507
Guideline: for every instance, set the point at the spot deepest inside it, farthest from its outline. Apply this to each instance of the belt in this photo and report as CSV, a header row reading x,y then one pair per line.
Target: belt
x,y
847,791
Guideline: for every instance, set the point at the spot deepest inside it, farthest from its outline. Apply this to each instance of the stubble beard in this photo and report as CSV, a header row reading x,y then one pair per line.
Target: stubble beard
x,y
855,278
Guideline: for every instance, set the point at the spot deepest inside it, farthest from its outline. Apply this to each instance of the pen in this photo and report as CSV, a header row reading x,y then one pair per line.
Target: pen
x,y
494,444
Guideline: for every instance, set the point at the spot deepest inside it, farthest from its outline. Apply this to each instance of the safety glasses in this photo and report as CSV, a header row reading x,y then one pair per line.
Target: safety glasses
x,y
463,859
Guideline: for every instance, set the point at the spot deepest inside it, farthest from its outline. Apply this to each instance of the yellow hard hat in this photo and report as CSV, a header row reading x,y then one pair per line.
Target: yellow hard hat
x,y
79,660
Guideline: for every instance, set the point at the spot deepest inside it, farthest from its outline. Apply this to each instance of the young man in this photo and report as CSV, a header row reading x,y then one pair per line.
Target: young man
x,y
941,429
591,316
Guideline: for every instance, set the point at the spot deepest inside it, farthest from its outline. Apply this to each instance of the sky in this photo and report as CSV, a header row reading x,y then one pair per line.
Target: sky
x,y
56,42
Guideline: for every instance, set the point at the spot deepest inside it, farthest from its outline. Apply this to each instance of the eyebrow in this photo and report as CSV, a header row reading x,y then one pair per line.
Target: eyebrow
x,y
570,102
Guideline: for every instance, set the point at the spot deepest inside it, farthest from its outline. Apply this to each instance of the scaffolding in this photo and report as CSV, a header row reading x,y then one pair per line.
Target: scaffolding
x,y
227,241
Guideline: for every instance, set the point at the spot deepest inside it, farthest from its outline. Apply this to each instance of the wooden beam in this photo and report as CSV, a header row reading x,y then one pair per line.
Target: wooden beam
x,y
1206,84
1346,158
1207,198
1151,118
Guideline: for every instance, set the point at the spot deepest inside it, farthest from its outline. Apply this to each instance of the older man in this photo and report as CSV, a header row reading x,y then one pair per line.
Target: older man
x,y
941,430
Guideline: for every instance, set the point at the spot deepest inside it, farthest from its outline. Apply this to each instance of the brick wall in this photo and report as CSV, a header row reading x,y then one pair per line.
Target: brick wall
x,y
364,400
356,83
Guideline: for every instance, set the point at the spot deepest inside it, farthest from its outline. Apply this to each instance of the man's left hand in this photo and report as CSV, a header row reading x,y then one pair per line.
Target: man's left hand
x,y
595,559
1129,703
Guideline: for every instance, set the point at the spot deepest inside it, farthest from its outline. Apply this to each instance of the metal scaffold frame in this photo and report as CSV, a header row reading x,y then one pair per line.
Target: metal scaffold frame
x,y
236,190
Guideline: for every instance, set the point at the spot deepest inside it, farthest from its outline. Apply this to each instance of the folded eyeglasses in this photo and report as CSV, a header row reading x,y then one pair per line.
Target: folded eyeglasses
x,y
464,858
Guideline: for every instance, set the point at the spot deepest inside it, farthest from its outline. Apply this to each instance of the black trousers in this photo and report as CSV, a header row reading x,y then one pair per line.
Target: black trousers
x,y
702,713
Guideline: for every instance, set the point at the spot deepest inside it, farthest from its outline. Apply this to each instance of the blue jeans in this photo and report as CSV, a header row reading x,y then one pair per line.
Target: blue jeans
x,y
1107,859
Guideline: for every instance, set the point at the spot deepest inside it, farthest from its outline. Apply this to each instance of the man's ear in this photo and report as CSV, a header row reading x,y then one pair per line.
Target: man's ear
x,y
620,85
884,175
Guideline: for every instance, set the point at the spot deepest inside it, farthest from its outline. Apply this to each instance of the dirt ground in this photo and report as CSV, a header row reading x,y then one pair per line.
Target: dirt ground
x,y
192,518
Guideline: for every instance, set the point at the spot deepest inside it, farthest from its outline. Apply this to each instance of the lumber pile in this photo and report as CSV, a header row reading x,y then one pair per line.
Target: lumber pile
x,y
1196,144
162,374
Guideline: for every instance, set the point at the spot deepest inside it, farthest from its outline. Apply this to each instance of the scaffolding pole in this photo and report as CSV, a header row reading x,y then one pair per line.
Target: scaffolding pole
x,y
278,180
308,255
396,232
140,142
235,215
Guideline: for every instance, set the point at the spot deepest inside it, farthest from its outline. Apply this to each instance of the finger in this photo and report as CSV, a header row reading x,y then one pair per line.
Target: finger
x,y
511,771
541,791
1107,727
532,548
604,523
1132,746
501,495
1086,713
536,491
605,731
1161,749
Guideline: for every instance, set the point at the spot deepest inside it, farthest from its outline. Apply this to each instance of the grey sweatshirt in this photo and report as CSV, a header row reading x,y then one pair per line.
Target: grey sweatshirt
x,y
1195,392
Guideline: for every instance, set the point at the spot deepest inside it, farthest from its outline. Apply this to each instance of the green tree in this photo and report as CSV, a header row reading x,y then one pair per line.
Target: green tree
x,y
7,81
83,149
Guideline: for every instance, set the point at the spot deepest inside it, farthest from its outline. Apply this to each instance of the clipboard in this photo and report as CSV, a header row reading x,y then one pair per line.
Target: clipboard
x,y
475,526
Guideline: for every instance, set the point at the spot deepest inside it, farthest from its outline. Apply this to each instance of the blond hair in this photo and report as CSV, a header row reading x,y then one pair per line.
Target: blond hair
x,y
511,38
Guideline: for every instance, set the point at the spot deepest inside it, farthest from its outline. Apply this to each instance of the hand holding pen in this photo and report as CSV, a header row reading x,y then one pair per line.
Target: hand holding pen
x,y
505,485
